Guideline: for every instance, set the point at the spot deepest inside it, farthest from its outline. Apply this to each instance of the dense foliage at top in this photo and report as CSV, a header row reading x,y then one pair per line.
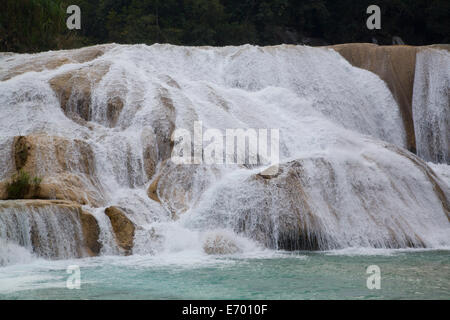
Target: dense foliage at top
x,y
37,25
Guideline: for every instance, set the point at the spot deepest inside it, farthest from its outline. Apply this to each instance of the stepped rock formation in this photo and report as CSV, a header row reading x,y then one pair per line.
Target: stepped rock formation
x,y
313,201
49,61
178,187
99,125
396,65
74,90
50,228
65,166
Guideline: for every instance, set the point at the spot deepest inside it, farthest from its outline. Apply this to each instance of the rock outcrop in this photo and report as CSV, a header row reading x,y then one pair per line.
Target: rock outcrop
x,y
91,233
41,154
150,152
152,190
74,90
219,243
65,166
382,196
123,228
52,60
179,186
164,124
314,193
171,188
396,66
393,64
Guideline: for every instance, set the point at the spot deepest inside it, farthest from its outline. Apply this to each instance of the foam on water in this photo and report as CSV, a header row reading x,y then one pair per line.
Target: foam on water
x,y
12,253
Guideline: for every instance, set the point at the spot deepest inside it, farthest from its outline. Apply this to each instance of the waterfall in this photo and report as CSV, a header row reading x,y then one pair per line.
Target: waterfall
x,y
431,105
12,253
50,231
98,128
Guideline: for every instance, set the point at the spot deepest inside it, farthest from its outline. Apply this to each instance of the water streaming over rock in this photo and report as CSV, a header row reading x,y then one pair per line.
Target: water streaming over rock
x,y
108,113
49,230
431,105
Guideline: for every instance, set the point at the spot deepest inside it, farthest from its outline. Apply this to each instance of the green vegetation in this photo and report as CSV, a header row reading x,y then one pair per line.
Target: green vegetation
x,y
30,25
21,183
38,25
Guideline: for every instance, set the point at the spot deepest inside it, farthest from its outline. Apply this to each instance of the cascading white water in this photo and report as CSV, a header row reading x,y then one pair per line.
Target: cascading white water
x,y
352,188
431,105
49,231
12,253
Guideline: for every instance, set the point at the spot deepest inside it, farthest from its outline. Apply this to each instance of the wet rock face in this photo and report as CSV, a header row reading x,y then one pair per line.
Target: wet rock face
x,y
91,233
53,60
173,188
114,108
396,65
65,166
220,243
123,228
179,186
294,226
74,90
164,124
22,148
150,152
330,202
50,228
393,64
68,186
314,190
43,154
152,190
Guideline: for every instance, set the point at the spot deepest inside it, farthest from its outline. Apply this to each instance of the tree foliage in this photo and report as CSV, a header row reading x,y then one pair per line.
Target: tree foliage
x,y
37,25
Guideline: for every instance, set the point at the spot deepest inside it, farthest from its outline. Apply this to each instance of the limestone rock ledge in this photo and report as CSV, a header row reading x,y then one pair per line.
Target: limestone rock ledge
x,y
52,229
315,193
123,228
52,60
396,65
66,167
